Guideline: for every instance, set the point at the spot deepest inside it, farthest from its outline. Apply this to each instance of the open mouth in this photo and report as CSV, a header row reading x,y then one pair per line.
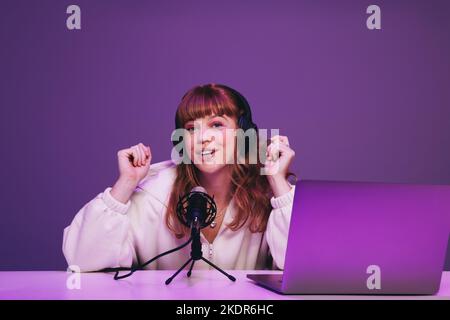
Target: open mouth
x,y
208,154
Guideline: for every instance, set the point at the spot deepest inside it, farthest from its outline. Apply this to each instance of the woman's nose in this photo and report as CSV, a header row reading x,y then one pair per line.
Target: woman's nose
x,y
205,135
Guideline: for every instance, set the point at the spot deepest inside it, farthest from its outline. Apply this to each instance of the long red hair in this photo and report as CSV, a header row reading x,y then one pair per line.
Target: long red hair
x,y
250,190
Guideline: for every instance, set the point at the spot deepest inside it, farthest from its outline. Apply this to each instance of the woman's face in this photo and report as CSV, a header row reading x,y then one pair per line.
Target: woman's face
x,y
210,142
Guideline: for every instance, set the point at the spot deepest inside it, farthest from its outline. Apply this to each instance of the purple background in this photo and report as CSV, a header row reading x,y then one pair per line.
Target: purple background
x,y
355,104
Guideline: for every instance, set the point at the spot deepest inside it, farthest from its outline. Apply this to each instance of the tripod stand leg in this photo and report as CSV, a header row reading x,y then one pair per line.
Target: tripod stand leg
x,y
229,276
179,270
190,269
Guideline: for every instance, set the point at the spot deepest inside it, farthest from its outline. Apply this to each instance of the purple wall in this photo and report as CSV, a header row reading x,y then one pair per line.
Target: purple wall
x,y
356,104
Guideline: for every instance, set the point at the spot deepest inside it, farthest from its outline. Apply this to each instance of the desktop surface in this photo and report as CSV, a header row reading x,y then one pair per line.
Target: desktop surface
x,y
149,284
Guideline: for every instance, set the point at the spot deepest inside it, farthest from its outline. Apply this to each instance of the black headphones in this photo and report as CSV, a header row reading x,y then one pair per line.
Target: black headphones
x,y
245,121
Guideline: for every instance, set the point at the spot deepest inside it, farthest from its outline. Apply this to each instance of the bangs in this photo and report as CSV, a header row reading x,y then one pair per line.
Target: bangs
x,y
203,101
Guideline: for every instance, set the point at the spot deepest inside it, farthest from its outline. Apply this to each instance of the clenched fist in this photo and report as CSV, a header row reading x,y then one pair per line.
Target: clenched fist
x,y
134,162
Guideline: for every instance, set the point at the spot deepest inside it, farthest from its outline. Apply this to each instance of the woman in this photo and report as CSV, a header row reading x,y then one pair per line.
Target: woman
x,y
136,219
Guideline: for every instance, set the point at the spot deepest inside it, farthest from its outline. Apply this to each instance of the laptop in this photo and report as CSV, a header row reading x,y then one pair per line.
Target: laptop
x,y
364,238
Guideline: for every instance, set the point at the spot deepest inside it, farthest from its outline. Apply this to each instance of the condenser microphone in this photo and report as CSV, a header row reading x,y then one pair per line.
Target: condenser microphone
x,y
196,209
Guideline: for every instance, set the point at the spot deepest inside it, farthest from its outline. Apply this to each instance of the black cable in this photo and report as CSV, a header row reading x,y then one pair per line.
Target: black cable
x,y
140,267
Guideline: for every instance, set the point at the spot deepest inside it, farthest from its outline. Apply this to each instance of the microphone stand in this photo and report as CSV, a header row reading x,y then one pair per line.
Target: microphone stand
x,y
196,254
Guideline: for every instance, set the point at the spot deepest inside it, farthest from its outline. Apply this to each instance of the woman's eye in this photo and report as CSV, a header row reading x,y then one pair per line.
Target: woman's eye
x,y
217,125
190,129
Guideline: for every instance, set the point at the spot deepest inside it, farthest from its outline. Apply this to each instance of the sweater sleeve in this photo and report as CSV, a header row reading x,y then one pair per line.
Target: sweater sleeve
x,y
100,235
278,226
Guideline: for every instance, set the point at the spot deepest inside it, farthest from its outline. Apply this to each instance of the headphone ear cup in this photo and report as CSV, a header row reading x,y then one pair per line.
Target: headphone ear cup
x,y
242,123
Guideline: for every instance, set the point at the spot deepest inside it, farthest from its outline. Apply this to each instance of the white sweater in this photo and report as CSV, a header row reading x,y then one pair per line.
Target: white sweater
x,y
106,233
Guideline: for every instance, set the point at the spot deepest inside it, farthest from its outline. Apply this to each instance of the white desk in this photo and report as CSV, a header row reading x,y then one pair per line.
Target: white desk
x,y
203,285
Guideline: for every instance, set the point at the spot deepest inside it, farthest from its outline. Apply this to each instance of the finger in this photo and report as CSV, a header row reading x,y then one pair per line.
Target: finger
x,y
284,140
275,141
136,156
274,150
149,152
144,156
146,150
284,149
128,153
275,137
281,139
280,150
141,155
